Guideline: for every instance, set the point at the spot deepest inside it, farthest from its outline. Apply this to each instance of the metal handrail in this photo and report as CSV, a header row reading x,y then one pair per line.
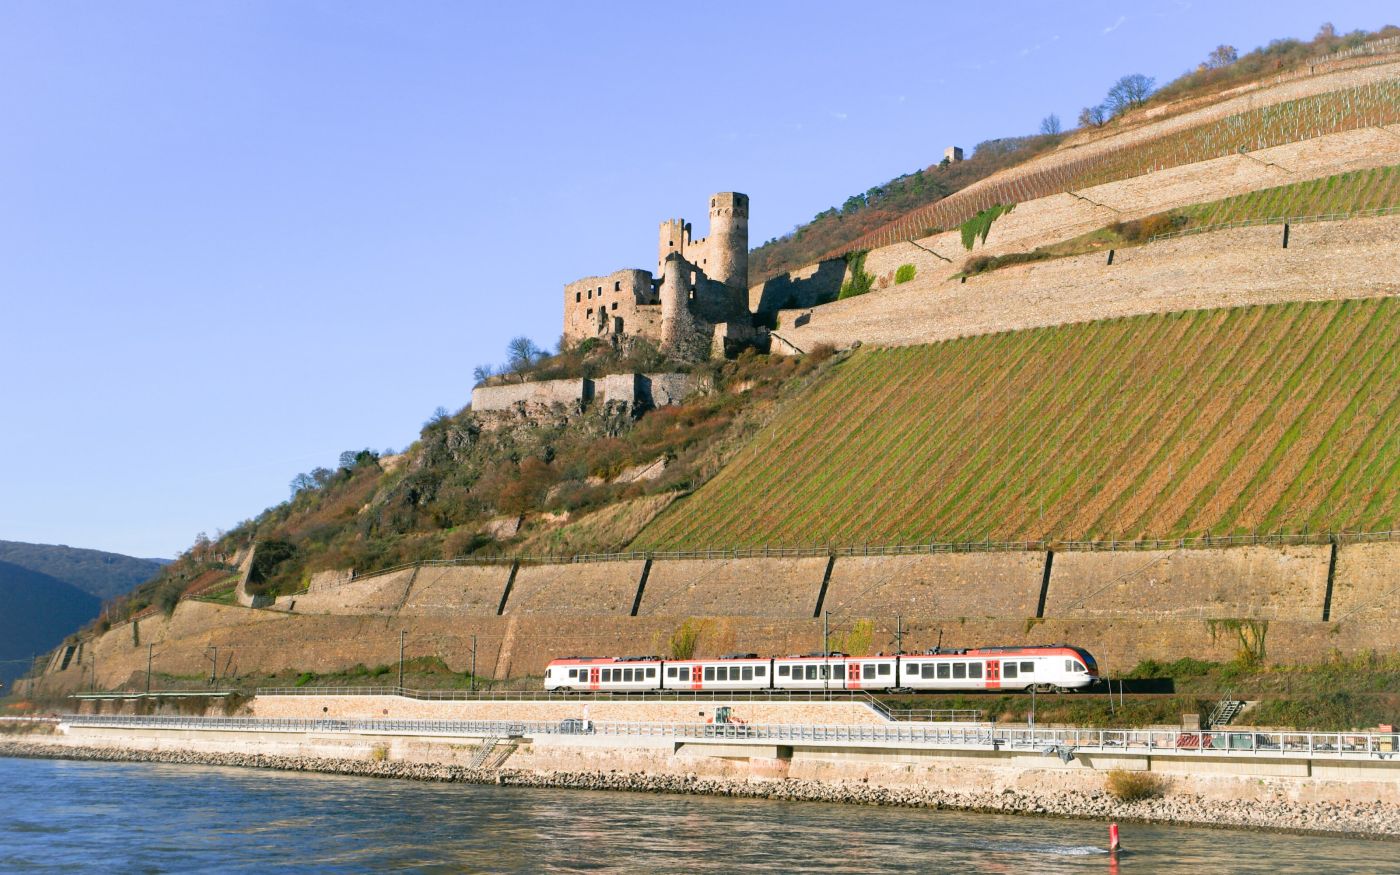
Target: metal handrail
x,y
1343,745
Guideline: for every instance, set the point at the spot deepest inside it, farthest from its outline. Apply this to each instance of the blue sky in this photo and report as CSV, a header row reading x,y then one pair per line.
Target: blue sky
x,y
239,238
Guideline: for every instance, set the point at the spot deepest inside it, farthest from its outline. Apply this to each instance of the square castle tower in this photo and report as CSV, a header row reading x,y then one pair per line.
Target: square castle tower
x,y
694,307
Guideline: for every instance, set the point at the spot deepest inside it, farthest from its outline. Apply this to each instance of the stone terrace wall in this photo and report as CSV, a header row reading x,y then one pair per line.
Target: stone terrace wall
x,y
384,593
579,588
1367,582
1324,261
1258,582
747,588
464,590
940,585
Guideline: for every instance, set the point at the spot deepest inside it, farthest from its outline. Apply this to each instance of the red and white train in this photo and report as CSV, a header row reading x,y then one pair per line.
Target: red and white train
x,y
1043,667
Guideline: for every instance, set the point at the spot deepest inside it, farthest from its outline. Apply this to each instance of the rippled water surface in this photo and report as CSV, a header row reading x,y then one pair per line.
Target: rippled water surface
x,y
128,817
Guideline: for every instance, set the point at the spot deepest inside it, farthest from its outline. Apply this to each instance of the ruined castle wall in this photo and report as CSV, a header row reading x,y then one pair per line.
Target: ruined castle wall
x,y
748,587
593,303
937,585
804,287
543,393
662,390
1270,583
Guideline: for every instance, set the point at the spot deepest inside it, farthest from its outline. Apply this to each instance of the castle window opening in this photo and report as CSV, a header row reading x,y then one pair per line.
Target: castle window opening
x,y
614,306
617,287
590,312
578,296
590,294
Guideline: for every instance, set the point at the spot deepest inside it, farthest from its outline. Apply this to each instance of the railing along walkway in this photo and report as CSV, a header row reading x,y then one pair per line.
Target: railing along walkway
x,y
1331,745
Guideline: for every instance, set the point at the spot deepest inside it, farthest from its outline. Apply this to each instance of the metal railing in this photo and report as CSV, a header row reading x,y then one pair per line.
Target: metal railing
x,y
1275,220
1064,742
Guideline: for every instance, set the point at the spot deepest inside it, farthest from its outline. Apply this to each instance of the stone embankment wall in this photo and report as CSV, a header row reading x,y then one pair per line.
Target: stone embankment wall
x,y
400,708
648,390
1323,261
1124,606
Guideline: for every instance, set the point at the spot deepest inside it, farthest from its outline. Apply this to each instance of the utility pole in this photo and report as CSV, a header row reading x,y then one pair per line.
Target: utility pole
x,y
473,679
826,649
213,664
898,633
402,633
149,656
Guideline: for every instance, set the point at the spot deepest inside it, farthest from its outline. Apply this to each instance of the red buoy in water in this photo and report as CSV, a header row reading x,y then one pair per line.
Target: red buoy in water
x,y
1113,838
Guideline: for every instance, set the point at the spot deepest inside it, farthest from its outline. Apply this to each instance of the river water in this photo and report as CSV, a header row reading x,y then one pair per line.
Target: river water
x,y
61,816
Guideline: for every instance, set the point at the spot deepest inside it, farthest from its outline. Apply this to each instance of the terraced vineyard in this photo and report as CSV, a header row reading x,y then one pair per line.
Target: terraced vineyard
x,y
1349,109
1221,421
1344,193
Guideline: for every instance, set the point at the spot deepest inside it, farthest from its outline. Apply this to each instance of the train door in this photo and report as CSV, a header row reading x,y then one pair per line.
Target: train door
x,y
853,675
696,673
994,674
593,678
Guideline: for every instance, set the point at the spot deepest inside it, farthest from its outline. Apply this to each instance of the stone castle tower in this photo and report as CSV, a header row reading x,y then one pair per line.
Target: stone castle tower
x,y
697,303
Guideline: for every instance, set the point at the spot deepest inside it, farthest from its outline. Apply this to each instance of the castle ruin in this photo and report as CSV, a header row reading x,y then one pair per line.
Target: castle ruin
x,y
697,304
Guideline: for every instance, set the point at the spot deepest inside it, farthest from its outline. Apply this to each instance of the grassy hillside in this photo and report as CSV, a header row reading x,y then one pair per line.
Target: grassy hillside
x,y
1218,421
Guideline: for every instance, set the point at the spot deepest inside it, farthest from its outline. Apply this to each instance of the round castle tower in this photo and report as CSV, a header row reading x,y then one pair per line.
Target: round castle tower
x,y
675,288
729,240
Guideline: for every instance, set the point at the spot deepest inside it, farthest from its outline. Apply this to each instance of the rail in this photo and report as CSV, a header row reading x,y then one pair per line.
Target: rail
x,y
1275,220
1061,742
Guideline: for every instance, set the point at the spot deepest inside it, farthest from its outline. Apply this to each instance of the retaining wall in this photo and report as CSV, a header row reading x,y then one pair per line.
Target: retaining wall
x,y
580,588
734,588
939,585
1288,583
1367,582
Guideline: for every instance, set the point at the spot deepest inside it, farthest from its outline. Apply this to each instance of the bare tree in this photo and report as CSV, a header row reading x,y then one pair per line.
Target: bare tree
x,y
1223,56
482,373
521,352
1327,31
1129,92
1095,116
1050,124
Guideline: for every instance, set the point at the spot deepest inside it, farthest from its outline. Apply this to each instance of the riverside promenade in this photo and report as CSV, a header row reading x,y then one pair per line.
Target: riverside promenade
x,y
842,750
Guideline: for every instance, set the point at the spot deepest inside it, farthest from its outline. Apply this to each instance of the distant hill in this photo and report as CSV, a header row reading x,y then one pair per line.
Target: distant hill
x,y
36,612
104,575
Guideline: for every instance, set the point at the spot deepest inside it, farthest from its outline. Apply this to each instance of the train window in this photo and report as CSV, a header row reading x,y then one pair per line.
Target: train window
x,y
651,673
884,669
927,673
911,668
869,671
782,671
605,674
943,671
629,674
670,671
811,672
959,670
760,671
1027,668
748,673
709,672
1008,669
974,669
573,674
